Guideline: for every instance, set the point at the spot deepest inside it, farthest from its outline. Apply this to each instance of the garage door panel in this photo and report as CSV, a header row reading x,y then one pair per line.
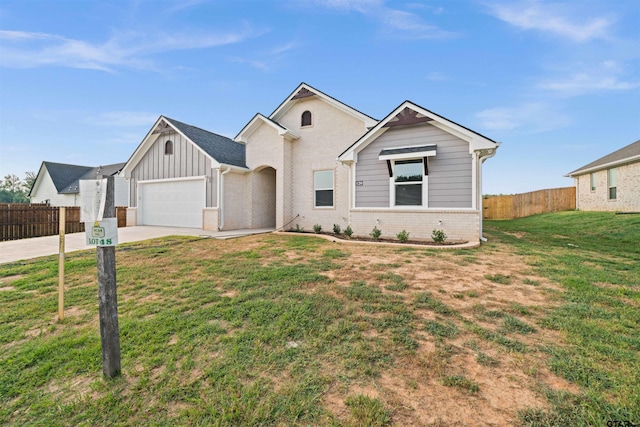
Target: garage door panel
x,y
172,203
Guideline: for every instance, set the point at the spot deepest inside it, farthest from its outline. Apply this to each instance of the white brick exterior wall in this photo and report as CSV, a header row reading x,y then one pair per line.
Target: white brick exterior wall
x,y
628,190
209,219
331,132
457,225
132,217
235,213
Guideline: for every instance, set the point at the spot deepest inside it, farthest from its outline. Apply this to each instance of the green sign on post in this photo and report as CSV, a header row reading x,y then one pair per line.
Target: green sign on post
x,y
102,233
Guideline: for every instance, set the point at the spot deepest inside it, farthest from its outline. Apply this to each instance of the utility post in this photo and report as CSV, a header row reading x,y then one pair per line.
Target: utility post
x,y
107,297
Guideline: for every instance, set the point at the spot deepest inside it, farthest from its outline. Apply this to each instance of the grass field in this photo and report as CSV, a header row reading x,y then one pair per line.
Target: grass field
x,y
540,326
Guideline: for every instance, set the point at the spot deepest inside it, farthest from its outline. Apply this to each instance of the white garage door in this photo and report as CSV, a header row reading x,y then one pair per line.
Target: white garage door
x,y
172,203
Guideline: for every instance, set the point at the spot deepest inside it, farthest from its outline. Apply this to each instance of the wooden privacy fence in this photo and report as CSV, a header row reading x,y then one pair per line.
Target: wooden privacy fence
x,y
527,204
22,220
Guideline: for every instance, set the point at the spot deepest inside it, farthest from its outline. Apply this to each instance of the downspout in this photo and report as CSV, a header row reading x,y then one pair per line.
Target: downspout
x,y
481,160
221,196
350,187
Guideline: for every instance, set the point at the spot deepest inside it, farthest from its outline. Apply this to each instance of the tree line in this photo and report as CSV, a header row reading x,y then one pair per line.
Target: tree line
x,y
15,190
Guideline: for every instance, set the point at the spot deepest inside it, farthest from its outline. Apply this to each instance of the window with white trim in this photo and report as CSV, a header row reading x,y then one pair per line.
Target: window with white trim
x,y
612,180
323,189
168,148
408,179
593,181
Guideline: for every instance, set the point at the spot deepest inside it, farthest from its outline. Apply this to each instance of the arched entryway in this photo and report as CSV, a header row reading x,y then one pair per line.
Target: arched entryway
x,y
264,198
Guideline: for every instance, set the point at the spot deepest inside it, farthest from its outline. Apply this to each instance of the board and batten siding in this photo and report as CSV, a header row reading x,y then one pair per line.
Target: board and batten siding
x,y
187,160
450,170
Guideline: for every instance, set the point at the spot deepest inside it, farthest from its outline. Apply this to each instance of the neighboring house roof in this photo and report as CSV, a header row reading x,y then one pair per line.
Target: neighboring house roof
x,y
628,154
411,113
66,177
220,149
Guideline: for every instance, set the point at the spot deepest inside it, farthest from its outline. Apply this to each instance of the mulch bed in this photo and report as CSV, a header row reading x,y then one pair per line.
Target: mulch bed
x,y
380,240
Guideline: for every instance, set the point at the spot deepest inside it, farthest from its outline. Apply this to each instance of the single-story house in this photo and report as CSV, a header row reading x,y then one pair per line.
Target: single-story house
x,y
58,183
314,160
611,183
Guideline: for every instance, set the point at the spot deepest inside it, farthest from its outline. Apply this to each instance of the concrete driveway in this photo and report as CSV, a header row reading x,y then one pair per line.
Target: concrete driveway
x,y
17,250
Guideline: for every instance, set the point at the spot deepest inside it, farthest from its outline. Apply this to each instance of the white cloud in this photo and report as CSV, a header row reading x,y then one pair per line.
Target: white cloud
x,y
394,22
552,18
21,49
606,76
362,6
437,77
411,25
264,61
528,118
255,63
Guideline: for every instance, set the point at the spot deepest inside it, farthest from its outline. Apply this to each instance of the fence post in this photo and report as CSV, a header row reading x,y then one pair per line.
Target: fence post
x,y
63,212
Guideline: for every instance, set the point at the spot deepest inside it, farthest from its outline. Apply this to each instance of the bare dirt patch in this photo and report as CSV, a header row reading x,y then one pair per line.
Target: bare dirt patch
x,y
9,279
413,388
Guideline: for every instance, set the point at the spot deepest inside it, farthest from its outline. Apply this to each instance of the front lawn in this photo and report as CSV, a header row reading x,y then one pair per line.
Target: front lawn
x,y
538,327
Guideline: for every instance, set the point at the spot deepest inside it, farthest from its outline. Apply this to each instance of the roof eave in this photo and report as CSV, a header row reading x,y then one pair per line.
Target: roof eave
x,y
621,162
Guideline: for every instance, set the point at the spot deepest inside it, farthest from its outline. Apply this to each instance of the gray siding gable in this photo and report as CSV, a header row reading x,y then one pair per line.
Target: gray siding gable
x,y
450,170
222,149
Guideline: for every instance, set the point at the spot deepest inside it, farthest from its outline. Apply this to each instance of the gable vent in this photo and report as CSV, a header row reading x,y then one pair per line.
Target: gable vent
x,y
303,93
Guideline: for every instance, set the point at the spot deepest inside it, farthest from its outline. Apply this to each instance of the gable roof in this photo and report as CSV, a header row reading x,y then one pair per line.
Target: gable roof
x,y
411,113
256,121
304,90
627,154
66,177
220,149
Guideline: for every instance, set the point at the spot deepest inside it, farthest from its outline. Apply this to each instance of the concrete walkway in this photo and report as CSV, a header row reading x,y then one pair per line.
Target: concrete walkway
x,y
17,250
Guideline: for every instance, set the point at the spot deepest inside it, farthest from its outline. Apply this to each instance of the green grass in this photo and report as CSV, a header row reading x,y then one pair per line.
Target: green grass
x,y
461,382
261,330
595,257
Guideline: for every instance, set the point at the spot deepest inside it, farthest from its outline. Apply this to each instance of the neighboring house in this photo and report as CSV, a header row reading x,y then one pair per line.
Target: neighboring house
x,y
314,160
611,183
58,183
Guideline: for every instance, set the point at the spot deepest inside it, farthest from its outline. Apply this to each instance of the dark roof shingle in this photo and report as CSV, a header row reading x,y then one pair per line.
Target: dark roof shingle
x,y
221,148
627,152
66,177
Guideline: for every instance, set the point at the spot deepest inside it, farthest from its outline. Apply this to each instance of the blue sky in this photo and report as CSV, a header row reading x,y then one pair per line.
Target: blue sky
x,y
558,83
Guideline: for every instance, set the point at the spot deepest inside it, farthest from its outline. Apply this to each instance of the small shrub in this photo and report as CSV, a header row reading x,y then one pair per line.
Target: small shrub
x,y
438,236
317,228
375,233
336,229
298,229
403,236
348,231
